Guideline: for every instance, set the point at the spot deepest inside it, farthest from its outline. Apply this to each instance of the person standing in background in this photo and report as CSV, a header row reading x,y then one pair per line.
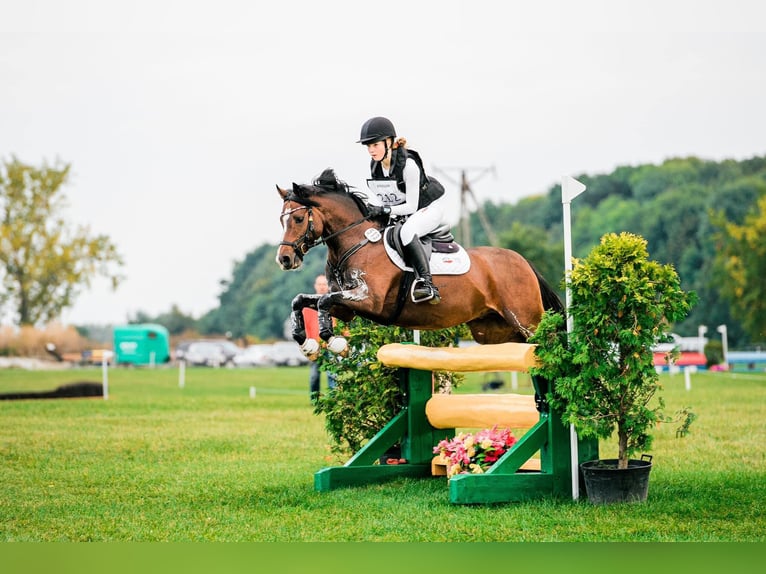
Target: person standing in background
x,y
311,321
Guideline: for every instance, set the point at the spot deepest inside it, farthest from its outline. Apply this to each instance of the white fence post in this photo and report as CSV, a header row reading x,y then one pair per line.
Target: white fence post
x,y
181,374
570,188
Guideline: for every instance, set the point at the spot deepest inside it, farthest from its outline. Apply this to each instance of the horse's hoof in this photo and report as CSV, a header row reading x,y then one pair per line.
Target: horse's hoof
x,y
338,345
310,349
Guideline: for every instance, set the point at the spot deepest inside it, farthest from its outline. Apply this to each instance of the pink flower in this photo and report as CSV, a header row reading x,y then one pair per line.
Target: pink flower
x,y
468,453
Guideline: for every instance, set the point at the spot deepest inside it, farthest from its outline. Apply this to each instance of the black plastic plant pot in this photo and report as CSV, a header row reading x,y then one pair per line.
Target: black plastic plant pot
x,y
607,484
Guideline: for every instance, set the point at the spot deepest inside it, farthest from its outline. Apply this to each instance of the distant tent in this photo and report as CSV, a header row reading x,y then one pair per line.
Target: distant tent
x,y
687,359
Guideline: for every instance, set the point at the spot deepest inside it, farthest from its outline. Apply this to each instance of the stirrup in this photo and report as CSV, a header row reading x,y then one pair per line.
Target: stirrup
x,y
432,296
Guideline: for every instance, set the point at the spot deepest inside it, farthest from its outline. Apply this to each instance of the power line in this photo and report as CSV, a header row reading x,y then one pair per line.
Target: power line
x,y
465,191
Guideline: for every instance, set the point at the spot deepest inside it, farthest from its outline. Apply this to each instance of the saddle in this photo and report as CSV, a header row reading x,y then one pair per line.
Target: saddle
x,y
440,240
446,257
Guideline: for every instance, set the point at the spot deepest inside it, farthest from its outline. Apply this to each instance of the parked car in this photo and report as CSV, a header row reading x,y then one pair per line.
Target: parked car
x,y
255,356
229,350
210,353
288,354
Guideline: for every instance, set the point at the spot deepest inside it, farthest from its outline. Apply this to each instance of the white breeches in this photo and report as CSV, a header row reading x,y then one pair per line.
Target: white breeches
x,y
423,221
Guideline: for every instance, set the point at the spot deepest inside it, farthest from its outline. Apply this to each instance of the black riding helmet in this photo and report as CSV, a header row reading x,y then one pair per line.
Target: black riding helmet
x,y
375,130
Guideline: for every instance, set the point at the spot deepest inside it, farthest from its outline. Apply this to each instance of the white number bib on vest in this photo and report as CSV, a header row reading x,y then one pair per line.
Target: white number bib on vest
x,y
386,191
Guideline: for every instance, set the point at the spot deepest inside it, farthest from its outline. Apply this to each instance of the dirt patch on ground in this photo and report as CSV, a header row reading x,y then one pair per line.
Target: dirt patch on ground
x,y
74,390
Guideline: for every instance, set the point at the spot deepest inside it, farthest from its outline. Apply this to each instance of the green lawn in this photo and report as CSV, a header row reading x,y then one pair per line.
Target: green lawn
x,y
207,462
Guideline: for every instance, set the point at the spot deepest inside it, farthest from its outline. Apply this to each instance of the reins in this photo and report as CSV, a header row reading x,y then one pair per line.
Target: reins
x,y
307,242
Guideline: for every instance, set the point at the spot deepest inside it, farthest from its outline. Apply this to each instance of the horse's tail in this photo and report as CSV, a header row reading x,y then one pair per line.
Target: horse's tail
x,y
551,299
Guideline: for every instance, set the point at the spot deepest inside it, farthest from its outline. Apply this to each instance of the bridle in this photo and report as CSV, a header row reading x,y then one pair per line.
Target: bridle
x,y
302,246
309,240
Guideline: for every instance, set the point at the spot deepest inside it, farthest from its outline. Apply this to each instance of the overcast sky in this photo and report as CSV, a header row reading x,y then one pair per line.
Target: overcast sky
x,y
179,117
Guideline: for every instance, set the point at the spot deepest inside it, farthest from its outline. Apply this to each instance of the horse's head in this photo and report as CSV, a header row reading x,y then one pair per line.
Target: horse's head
x,y
299,232
313,212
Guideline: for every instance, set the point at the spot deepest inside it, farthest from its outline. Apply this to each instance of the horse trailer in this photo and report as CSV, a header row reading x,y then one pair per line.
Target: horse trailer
x,y
141,344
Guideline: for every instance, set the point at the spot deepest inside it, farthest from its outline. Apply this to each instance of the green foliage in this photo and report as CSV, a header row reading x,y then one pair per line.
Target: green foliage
x,y
43,261
714,353
256,301
741,267
603,371
532,242
175,320
667,204
368,394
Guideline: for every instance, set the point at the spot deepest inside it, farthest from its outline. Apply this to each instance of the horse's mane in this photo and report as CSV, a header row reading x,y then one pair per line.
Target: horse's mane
x,y
326,182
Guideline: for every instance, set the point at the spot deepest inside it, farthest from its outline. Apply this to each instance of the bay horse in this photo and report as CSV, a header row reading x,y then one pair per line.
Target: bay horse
x,y
501,297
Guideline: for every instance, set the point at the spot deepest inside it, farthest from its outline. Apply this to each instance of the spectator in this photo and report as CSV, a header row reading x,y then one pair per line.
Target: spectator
x,y
310,319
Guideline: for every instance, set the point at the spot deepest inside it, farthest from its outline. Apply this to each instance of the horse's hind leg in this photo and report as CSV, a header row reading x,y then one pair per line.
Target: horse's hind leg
x,y
492,329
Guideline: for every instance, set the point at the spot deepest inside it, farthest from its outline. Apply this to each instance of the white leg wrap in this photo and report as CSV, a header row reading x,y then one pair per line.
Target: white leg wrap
x,y
338,345
310,348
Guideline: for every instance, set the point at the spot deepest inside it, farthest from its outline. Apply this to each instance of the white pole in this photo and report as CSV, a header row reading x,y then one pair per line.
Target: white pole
x,y
514,380
105,373
724,343
570,188
688,378
151,359
252,392
701,330
416,336
181,373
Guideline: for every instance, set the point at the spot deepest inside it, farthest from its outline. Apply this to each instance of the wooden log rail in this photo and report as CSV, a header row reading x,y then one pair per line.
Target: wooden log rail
x,y
502,357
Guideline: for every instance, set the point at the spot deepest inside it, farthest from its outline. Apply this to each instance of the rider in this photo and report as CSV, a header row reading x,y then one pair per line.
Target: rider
x,y
416,198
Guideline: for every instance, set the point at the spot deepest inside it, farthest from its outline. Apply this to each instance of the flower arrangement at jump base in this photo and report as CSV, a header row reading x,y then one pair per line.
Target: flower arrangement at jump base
x,y
474,453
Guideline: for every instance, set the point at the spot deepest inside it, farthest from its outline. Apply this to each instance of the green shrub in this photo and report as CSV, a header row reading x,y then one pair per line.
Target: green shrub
x,y
368,394
622,304
714,353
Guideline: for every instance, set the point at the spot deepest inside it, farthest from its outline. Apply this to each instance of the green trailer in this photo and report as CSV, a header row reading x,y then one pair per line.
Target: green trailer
x,y
141,344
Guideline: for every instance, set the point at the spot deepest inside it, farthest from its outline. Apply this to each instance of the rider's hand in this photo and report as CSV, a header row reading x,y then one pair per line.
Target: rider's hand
x,y
377,210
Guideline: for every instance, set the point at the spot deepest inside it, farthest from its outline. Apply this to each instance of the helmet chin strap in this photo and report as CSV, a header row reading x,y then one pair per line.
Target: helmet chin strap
x,y
389,151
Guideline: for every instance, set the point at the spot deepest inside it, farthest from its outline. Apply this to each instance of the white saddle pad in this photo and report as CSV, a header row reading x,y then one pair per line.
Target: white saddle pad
x,y
441,263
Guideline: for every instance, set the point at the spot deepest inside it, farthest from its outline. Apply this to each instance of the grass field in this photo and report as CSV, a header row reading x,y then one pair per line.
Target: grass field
x,y
207,462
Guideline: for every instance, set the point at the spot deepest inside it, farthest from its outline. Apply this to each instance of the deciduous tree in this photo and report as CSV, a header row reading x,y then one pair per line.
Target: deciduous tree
x,y
741,266
44,261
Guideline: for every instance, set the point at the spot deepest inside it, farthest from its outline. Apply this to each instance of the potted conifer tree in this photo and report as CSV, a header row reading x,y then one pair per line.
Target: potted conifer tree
x,y
602,372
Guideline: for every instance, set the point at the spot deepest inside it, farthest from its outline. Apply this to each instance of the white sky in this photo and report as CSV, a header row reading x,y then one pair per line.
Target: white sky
x,y
179,117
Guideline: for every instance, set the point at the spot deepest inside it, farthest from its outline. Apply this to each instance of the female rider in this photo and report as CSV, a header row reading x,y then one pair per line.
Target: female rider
x,y
415,197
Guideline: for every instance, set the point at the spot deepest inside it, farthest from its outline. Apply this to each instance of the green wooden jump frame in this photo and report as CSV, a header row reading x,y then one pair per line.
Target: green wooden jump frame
x,y
504,481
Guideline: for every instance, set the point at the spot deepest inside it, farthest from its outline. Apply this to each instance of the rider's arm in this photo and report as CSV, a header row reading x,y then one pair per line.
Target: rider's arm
x,y
412,194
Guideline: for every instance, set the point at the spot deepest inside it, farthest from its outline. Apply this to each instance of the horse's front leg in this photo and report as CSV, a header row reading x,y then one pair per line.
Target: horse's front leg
x,y
309,347
336,344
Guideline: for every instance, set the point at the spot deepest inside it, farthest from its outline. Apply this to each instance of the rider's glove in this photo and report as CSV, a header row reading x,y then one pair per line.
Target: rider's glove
x,y
377,210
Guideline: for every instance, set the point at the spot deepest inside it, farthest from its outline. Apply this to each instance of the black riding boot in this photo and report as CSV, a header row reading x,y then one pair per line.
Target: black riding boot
x,y
423,289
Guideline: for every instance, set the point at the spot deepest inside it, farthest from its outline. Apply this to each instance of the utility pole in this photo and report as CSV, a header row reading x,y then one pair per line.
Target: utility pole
x,y
465,191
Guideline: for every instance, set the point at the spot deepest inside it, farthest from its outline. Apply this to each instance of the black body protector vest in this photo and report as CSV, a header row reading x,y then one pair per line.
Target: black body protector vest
x,y
430,188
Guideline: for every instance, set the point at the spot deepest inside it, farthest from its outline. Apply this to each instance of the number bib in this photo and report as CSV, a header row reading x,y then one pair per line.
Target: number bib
x,y
386,191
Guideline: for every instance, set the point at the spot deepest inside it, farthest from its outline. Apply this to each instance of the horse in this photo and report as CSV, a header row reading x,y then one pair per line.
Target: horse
x,y
501,297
